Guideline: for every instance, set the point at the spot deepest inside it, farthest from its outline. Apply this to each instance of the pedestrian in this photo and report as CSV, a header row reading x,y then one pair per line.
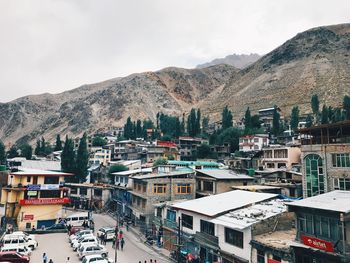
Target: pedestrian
x,y
150,261
155,261
67,260
44,258
50,261
122,243
103,239
117,243
113,242
120,234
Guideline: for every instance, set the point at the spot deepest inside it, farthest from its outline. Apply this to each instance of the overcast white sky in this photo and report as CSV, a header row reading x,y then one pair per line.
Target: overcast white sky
x,y
52,46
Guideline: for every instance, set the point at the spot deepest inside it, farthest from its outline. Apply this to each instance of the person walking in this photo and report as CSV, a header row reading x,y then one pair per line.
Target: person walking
x,y
113,240
117,243
122,243
44,258
120,234
68,261
50,261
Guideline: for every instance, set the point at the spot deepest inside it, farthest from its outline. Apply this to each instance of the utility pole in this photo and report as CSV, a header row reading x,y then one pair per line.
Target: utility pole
x,y
116,237
179,241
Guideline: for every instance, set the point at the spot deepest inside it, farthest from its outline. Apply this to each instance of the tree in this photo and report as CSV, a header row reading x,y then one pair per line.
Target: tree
x,y
205,125
198,122
138,129
230,136
247,119
203,151
160,161
166,138
337,115
315,106
115,169
346,107
99,141
226,118
191,123
324,115
58,145
37,148
129,129
276,122
308,121
2,153
255,122
26,151
13,152
82,160
294,119
68,158
42,146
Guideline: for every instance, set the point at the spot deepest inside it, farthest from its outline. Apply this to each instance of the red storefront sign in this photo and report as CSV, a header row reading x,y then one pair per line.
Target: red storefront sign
x,y
45,201
270,260
28,217
317,243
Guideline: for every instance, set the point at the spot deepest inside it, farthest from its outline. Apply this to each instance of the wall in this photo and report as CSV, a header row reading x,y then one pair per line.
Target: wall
x,y
280,222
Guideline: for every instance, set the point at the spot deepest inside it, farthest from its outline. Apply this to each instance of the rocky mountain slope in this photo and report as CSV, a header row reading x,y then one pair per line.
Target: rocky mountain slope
x,y
109,103
235,60
316,61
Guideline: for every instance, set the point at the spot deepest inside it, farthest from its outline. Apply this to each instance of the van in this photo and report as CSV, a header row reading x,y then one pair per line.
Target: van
x,y
77,219
19,238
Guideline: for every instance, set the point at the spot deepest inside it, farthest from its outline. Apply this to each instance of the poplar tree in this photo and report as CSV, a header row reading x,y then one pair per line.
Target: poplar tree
x,y
82,160
58,145
2,153
346,107
276,122
68,156
226,118
294,119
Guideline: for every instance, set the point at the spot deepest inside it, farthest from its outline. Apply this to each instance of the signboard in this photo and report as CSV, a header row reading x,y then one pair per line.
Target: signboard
x,y
28,217
45,201
270,260
32,193
33,187
317,243
37,187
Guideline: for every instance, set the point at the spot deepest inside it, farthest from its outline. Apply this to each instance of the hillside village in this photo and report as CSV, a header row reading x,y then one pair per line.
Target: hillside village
x,y
265,189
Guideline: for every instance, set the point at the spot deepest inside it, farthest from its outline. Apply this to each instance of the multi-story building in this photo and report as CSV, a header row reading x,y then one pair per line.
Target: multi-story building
x,y
325,154
100,156
222,152
277,156
217,181
255,142
266,116
195,164
188,147
34,198
323,228
161,149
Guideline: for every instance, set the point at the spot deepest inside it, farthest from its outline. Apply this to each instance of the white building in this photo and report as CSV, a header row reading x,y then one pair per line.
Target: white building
x,y
256,142
100,156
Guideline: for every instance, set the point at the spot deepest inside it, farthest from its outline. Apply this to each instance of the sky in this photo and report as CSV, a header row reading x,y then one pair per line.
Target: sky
x,y
57,45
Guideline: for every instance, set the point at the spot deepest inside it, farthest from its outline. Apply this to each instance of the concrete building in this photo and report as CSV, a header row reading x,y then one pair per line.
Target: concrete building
x,y
266,116
323,228
277,156
188,147
100,156
255,142
325,154
195,164
34,198
161,149
217,181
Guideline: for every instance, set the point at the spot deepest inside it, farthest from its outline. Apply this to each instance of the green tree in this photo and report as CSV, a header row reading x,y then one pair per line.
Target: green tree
x,y
346,107
2,153
13,152
38,148
248,119
315,106
198,122
183,129
276,122
324,115
294,119
191,123
42,146
205,125
58,145
129,129
160,161
138,129
226,118
308,121
68,158
255,122
337,115
230,136
166,138
26,151
203,151
99,141
82,160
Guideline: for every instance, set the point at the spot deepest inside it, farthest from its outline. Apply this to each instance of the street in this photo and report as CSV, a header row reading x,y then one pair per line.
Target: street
x,y
57,247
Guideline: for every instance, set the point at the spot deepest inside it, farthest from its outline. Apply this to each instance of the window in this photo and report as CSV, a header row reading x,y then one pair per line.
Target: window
x,y
171,215
260,256
187,221
341,159
51,180
98,192
83,191
28,179
159,188
144,187
207,227
207,186
50,194
234,237
184,188
314,175
341,184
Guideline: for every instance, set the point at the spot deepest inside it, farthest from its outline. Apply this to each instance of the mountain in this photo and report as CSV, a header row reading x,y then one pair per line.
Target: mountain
x,y
316,61
237,61
92,107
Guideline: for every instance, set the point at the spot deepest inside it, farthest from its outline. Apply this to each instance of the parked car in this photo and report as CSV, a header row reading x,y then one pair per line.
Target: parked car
x,y
59,226
79,234
90,240
20,249
13,257
96,259
78,219
92,250
109,232
75,242
29,240
19,241
76,229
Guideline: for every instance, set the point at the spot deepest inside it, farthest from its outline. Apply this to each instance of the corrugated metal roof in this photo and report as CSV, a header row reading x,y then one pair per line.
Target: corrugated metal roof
x,y
222,203
224,174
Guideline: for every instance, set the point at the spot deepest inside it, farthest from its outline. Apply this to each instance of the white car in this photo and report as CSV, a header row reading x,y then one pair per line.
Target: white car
x,y
20,249
79,234
91,240
109,232
96,259
78,239
92,250
21,238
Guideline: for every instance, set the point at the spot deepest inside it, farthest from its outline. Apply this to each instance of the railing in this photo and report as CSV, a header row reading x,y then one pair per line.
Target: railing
x,y
204,238
325,140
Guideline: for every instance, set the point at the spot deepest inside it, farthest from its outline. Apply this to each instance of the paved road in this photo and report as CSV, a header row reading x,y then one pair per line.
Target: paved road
x,y
58,249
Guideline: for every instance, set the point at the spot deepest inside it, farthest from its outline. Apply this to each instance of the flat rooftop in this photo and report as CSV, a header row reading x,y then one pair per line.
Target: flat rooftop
x,y
36,172
215,205
255,187
281,240
337,201
245,217
136,171
224,174
160,175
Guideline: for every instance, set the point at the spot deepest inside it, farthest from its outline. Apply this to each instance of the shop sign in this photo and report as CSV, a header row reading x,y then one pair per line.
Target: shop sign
x,y
45,201
270,260
32,193
37,187
317,243
28,217
33,187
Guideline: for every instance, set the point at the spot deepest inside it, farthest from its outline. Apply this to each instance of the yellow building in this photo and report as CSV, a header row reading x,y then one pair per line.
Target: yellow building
x,y
34,198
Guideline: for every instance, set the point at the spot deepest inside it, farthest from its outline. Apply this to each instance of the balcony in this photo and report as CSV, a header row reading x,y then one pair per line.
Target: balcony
x,y
169,224
207,240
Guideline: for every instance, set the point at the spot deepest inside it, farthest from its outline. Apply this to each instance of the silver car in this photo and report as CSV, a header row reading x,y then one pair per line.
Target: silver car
x,y
92,250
